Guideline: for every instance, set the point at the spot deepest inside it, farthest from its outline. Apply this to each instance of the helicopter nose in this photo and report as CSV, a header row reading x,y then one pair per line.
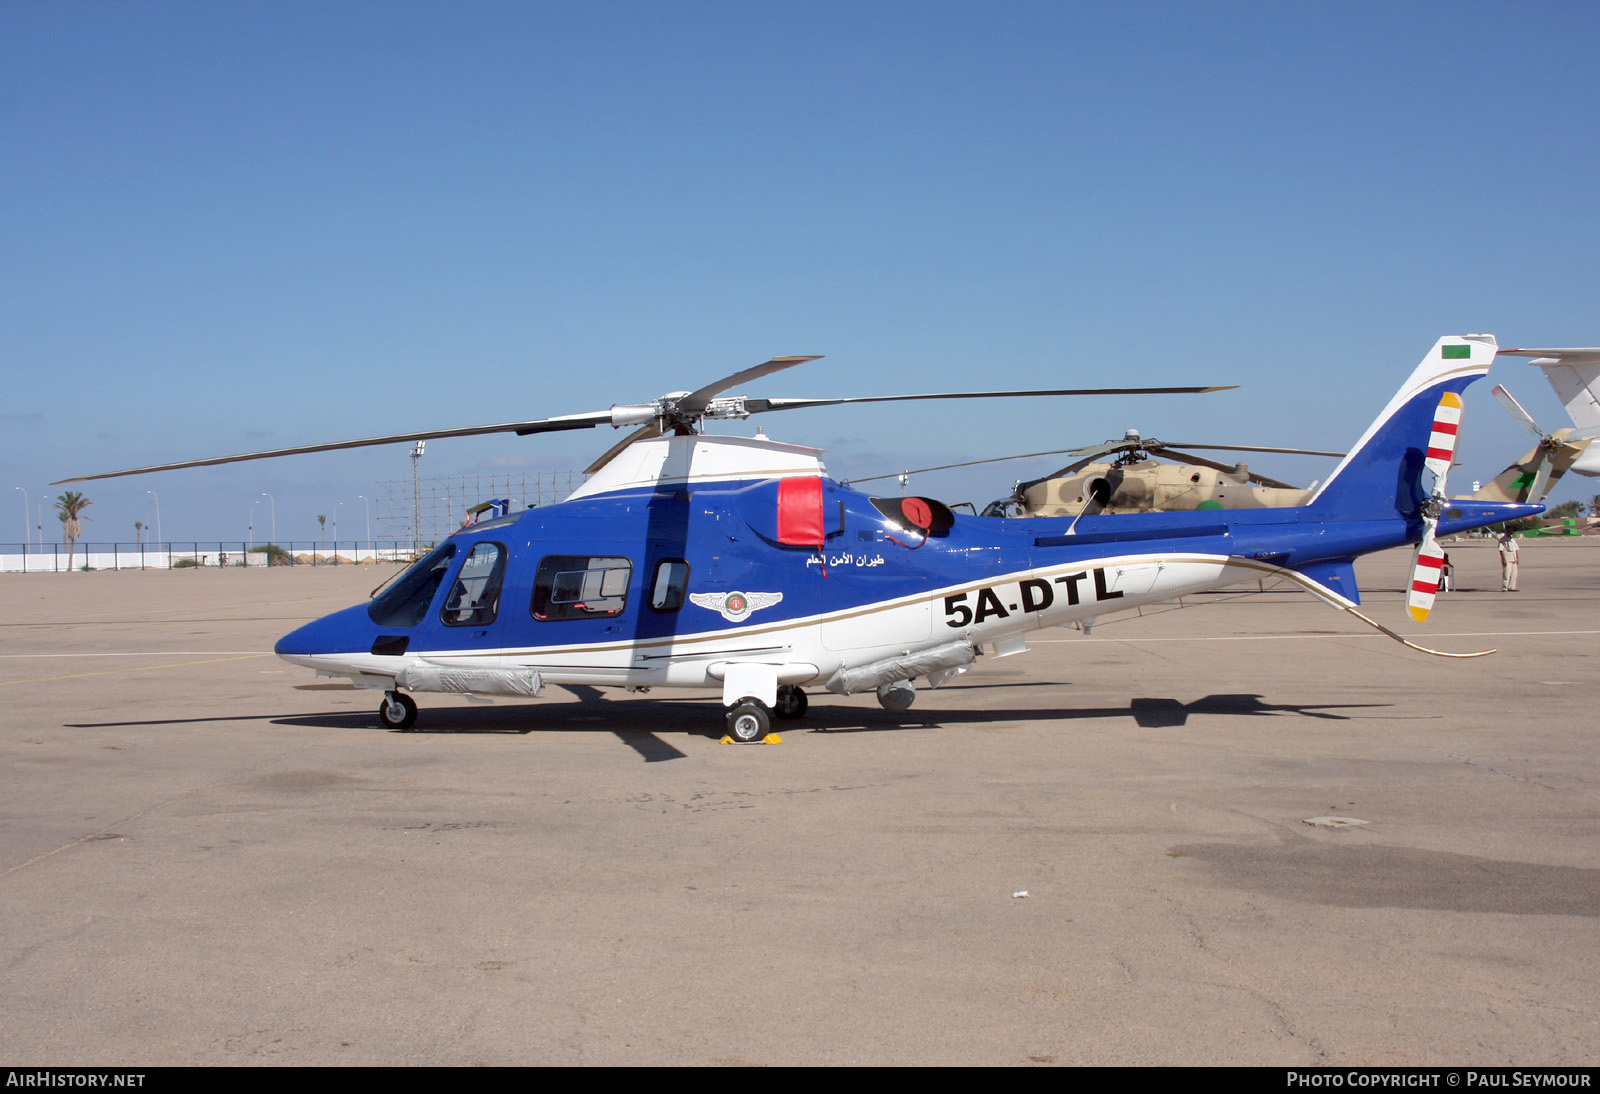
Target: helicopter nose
x,y
300,642
347,631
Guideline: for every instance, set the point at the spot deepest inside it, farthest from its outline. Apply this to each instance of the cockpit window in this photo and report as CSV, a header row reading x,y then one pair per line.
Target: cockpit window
x,y
474,598
580,587
405,603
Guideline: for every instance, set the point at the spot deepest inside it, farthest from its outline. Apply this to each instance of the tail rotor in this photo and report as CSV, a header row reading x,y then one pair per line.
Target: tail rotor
x,y
1428,565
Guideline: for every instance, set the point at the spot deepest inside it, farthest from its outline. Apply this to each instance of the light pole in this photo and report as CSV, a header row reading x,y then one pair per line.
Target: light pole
x,y
367,505
157,496
254,502
274,506
336,531
27,537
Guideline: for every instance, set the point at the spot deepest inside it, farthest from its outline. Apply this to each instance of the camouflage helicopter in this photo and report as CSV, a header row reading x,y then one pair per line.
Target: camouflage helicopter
x,y
1133,481
1125,477
1536,473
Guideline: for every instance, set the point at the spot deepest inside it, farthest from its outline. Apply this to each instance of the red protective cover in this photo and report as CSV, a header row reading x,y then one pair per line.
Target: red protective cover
x,y
918,512
800,512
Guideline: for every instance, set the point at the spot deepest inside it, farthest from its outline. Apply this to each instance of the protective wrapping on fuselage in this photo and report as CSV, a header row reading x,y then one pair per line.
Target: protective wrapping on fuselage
x,y
469,680
908,666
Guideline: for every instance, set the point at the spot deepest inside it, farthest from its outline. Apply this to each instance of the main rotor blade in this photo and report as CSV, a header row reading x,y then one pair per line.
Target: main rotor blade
x,y
1086,456
643,433
1090,453
965,463
1248,448
1217,465
695,402
760,406
691,405
1514,408
540,425
1567,354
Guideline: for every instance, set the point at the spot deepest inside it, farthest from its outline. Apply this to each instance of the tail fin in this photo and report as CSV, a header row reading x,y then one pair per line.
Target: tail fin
x,y
1381,476
1520,482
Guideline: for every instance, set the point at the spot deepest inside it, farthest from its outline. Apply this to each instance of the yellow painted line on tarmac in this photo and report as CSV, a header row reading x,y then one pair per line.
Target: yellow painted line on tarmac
x,y
136,668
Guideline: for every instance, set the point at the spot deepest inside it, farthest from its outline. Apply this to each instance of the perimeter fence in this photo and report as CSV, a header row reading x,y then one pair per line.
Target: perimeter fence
x,y
198,554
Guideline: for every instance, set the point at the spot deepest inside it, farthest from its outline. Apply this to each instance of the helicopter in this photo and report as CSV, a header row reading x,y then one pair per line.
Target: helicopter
x,y
1573,373
1127,475
1133,481
1534,474
693,560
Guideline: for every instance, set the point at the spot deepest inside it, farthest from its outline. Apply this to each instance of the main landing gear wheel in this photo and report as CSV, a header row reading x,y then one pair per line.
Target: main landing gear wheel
x,y
897,696
749,720
792,702
397,711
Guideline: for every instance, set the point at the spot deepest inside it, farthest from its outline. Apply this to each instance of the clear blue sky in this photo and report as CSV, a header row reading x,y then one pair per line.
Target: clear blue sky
x,y
245,225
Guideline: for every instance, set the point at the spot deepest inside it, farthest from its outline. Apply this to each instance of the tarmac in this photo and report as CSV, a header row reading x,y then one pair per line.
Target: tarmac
x,y
1094,852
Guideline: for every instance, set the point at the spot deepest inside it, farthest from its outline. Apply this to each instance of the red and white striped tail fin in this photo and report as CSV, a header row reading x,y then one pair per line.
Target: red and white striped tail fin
x,y
1426,571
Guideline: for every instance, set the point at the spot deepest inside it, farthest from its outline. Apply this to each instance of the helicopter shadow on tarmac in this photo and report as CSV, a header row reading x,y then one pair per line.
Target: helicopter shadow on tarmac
x,y
629,719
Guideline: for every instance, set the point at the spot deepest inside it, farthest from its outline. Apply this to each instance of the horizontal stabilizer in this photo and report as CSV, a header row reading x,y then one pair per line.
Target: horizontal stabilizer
x,y
1337,576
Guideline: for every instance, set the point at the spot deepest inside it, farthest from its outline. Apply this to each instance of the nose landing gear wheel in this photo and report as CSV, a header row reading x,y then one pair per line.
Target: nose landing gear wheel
x,y
397,711
749,720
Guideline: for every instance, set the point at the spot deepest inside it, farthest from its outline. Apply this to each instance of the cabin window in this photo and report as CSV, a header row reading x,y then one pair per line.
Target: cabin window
x,y
580,587
474,598
405,603
670,584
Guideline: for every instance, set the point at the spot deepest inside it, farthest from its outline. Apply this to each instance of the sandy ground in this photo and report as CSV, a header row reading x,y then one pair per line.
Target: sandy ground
x,y
210,857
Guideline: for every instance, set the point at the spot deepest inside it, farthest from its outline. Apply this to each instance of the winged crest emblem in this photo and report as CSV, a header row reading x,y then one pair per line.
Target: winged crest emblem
x,y
735,607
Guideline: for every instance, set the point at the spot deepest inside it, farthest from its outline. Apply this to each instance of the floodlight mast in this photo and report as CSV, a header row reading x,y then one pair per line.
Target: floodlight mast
x,y
416,496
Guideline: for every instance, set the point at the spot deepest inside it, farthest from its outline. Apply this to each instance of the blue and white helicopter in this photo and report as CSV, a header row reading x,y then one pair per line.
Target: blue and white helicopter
x,y
694,561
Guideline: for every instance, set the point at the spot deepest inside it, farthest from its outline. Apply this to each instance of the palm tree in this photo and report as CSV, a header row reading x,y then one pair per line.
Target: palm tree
x,y
70,507
138,534
322,520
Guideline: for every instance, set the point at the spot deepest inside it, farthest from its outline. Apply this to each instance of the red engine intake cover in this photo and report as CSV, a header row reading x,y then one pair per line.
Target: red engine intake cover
x,y
800,512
